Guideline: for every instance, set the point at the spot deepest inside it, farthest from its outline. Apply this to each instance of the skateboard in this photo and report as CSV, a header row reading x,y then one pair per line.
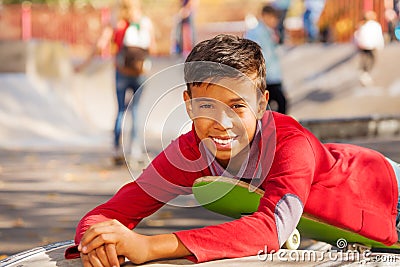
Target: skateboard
x,y
235,198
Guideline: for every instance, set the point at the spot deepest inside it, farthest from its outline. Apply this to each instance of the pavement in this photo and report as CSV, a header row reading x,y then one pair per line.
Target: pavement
x,y
56,132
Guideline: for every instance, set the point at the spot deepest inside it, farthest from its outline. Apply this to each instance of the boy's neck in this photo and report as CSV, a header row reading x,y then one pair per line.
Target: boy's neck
x,y
234,164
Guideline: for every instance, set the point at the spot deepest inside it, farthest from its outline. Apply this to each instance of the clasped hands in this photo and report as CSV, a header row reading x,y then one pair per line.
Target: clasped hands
x,y
106,244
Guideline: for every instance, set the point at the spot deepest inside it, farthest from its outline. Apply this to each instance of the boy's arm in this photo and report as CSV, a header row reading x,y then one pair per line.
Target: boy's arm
x,y
132,203
161,181
138,199
129,205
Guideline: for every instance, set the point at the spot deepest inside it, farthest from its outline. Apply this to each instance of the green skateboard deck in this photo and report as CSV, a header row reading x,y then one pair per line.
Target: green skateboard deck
x,y
235,198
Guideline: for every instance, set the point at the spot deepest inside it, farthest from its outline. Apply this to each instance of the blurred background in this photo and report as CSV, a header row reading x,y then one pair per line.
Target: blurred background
x,y
78,23
56,122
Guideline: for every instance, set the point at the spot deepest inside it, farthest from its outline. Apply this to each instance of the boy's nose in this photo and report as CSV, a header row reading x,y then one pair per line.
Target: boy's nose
x,y
225,119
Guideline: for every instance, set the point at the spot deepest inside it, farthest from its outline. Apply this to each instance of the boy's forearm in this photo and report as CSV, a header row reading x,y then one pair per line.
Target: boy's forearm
x,y
166,246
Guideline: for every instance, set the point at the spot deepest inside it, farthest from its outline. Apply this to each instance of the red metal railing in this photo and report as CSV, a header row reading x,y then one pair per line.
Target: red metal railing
x,y
80,28
76,27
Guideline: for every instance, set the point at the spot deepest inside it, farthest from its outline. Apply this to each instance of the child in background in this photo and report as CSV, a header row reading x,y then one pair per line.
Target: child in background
x,y
264,35
368,38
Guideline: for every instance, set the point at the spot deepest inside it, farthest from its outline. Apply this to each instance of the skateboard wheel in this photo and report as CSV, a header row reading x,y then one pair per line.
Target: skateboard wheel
x,y
293,241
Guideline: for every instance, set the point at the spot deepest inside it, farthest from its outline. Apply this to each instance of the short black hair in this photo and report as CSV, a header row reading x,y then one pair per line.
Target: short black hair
x,y
270,10
238,55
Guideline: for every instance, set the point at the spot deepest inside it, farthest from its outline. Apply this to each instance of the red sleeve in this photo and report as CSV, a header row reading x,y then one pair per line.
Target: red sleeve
x,y
291,173
128,206
170,174
134,201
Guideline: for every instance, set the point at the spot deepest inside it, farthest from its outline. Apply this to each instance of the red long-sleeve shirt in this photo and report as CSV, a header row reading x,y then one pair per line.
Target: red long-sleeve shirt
x,y
345,185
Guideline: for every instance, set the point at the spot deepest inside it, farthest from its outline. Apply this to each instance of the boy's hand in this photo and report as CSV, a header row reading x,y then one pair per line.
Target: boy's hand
x,y
103,256
102,243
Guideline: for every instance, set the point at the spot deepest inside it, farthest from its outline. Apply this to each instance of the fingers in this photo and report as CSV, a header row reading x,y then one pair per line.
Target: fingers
x,y
85,260
94,259
113,258
98,241
101,257
100,232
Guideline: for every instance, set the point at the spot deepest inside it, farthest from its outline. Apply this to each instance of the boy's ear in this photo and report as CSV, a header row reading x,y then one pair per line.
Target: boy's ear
x,y
188,104
262,104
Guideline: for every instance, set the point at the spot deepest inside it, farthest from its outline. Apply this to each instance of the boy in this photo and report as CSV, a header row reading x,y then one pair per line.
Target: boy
x,y
264,35
233,135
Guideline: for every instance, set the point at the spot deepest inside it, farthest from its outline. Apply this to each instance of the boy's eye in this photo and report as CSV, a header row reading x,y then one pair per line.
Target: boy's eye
x,y
205,106
237,106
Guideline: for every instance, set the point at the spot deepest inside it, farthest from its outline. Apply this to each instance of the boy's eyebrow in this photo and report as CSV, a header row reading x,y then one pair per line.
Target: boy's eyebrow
x,y
204,99
238,99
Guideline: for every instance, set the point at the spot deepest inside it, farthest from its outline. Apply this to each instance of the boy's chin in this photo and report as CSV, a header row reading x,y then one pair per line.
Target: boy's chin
x,y
226,155
222,155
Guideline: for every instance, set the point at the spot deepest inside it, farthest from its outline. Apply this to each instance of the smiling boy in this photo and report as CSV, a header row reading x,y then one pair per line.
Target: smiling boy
x,y
233,135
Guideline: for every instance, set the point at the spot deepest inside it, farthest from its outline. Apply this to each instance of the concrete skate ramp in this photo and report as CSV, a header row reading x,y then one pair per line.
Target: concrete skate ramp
x,y
46,104
322,82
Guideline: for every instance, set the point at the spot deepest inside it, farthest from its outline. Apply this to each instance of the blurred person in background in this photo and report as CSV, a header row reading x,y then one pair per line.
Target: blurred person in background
x,y
282,6
313,10
133,40
396,8
368,38
265,36
184,33
391,18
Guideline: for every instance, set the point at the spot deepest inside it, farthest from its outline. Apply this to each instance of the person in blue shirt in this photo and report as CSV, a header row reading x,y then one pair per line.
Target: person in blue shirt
x,y
282,6
312,13
265,36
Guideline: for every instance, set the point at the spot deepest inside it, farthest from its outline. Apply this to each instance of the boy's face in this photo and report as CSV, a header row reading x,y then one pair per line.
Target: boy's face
x,y
225,115
270,20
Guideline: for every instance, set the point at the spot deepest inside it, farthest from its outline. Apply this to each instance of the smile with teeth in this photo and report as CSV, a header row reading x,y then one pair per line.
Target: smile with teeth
x,y
222,141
